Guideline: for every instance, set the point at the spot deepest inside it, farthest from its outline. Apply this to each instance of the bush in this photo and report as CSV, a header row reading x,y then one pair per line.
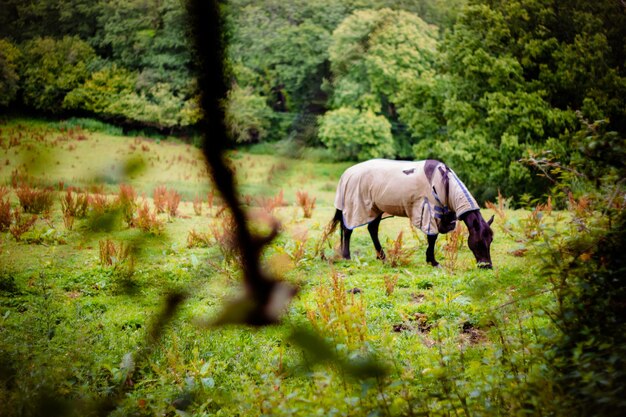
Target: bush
x,y
352,134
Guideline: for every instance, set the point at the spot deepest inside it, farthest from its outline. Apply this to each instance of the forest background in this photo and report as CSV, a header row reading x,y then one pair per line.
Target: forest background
x,y
479,84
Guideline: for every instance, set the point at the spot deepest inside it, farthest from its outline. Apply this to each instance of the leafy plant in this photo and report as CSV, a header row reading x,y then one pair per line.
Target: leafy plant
x,y
338,314
454,242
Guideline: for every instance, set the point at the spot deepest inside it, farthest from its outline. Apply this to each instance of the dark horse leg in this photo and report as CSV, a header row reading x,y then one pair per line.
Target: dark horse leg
x,y
345,241
345,234
372,227
430,251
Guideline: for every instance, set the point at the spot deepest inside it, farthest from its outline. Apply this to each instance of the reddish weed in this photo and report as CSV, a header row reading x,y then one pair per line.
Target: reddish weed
x,y
34,200
116,255
173,200
5,214
21,224
148,221
269,204
338,314
73,206
159,197
127,201
197,206
454,242
396,254
225,238
390,283
198,239
307,203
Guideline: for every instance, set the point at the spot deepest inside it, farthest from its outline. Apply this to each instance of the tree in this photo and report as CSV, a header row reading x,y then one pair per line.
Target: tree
x,y
51,68
375,56
355,134
9,56
511,75
247,115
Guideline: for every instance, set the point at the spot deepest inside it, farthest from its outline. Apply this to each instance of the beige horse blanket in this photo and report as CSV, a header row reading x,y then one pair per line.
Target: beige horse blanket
x,y
423,191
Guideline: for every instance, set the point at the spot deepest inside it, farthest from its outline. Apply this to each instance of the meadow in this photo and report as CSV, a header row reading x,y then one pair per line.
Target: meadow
x,y
98,229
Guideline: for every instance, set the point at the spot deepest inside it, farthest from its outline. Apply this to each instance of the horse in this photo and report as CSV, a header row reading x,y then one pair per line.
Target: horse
x,y
428,192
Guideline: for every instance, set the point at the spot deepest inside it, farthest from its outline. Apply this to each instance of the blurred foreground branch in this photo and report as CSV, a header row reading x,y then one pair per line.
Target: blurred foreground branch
x,y
265,296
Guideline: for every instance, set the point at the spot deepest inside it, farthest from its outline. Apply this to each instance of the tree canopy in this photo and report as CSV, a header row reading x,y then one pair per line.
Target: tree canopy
x,y
479,84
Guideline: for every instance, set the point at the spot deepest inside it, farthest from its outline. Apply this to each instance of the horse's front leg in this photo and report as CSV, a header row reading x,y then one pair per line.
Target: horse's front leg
x,y
430,251
345,241
373,229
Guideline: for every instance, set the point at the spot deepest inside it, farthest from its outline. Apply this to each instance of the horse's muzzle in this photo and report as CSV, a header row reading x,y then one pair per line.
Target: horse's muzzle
x,y
485,265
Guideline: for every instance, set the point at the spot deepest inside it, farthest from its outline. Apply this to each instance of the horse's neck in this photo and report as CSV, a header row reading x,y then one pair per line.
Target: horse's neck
x,y
470,217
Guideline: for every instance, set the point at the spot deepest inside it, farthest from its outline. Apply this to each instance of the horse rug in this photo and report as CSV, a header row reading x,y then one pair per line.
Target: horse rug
x,y
424,191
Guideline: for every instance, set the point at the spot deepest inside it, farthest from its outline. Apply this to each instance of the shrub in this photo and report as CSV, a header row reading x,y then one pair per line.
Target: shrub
x,y
269,204
454,242
352,134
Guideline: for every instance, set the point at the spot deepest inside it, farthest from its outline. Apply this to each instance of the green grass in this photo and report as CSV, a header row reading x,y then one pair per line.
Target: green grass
x,y
453,340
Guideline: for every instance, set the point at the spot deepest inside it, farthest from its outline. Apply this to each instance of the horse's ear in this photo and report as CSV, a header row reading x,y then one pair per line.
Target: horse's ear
x,y
490,220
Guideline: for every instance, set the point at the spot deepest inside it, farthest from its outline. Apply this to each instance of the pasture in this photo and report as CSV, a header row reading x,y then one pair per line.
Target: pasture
x,y
78,298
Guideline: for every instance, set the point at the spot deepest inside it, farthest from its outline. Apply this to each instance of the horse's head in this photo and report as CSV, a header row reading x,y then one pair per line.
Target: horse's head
x,y
480,237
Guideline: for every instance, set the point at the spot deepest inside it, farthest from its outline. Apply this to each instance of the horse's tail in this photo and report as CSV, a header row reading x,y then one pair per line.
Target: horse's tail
x,y
329,230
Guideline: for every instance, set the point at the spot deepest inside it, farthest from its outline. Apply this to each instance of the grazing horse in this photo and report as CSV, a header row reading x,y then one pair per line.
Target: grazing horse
x,y
427,192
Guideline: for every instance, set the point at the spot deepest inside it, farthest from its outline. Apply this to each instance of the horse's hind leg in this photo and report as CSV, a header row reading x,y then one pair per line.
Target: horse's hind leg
x,y
373,229
345,241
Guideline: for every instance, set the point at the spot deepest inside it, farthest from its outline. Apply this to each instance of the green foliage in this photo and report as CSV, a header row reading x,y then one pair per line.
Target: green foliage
x,y
51,68
22,21
9,79
247,115
100,93
586,267
374,53
353,134
508,82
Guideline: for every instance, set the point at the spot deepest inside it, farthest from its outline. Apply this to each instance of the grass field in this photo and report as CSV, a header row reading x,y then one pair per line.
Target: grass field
x,y
75,319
